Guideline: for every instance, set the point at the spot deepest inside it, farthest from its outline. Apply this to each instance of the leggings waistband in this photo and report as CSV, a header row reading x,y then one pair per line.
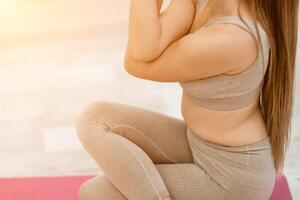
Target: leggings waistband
x,y
261,144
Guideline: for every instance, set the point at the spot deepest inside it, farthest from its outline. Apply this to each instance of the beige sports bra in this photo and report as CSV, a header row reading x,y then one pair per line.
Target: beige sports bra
x,y
229,92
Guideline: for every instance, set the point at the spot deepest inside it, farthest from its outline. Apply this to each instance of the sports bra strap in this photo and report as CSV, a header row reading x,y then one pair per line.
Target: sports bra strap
x,y
232,19
249,26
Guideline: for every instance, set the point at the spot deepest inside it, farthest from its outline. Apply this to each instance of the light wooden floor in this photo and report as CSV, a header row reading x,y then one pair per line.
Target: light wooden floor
x,y
47,77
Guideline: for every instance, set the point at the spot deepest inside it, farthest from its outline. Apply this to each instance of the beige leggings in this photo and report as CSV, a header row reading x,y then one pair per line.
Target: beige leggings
x,y
146,155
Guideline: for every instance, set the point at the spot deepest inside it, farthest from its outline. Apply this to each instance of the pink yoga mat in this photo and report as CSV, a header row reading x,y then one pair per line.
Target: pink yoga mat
x,y
281,189
41,188
66,188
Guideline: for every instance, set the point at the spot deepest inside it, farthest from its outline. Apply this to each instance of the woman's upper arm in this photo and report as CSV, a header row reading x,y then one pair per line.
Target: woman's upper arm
x,y
174,22
207,52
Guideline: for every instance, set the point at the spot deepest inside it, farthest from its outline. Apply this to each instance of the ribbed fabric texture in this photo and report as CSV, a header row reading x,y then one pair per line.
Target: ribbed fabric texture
x,y
152,156
228,92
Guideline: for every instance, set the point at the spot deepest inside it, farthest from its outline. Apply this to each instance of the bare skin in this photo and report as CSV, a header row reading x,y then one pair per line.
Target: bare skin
x,y
178,49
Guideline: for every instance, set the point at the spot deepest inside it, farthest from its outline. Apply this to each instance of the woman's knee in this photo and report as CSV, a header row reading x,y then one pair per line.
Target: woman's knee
x,y
87,190
99,188
92,120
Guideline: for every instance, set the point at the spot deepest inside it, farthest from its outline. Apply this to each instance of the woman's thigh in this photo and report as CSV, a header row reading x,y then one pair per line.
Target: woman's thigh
x,y
187,181
161,136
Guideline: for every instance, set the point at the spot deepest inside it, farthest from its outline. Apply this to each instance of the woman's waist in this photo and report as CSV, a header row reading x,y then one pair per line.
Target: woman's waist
x,y
232,129
235,137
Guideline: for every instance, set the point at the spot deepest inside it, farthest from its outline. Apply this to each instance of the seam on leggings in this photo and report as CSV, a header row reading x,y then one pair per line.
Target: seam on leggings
x,y
195,158
208,174
247,156
144,135
143,169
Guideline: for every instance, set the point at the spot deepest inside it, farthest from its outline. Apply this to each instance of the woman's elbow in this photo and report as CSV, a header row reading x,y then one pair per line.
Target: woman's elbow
x,y
144,53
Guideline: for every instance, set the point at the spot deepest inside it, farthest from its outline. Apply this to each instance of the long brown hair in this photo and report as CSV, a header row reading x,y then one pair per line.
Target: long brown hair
x,y
280,21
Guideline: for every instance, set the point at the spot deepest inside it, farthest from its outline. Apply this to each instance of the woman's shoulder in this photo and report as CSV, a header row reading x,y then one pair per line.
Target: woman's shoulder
x,y
235,45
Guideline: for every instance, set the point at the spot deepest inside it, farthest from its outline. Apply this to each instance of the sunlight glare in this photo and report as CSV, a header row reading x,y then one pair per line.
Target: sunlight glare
x,y
4,1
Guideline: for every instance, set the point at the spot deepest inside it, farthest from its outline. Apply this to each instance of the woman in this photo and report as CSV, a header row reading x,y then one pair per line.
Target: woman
x,y
235,61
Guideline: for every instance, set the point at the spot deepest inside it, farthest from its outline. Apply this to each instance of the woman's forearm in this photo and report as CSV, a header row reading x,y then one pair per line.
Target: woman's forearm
x,y
151,32
144,28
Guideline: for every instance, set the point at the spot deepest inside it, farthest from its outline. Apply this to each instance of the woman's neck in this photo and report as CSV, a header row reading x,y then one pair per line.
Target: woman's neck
x,y
219,8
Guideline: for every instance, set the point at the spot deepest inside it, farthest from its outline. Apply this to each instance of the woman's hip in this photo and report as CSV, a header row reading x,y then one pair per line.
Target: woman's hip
x,y
233,168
